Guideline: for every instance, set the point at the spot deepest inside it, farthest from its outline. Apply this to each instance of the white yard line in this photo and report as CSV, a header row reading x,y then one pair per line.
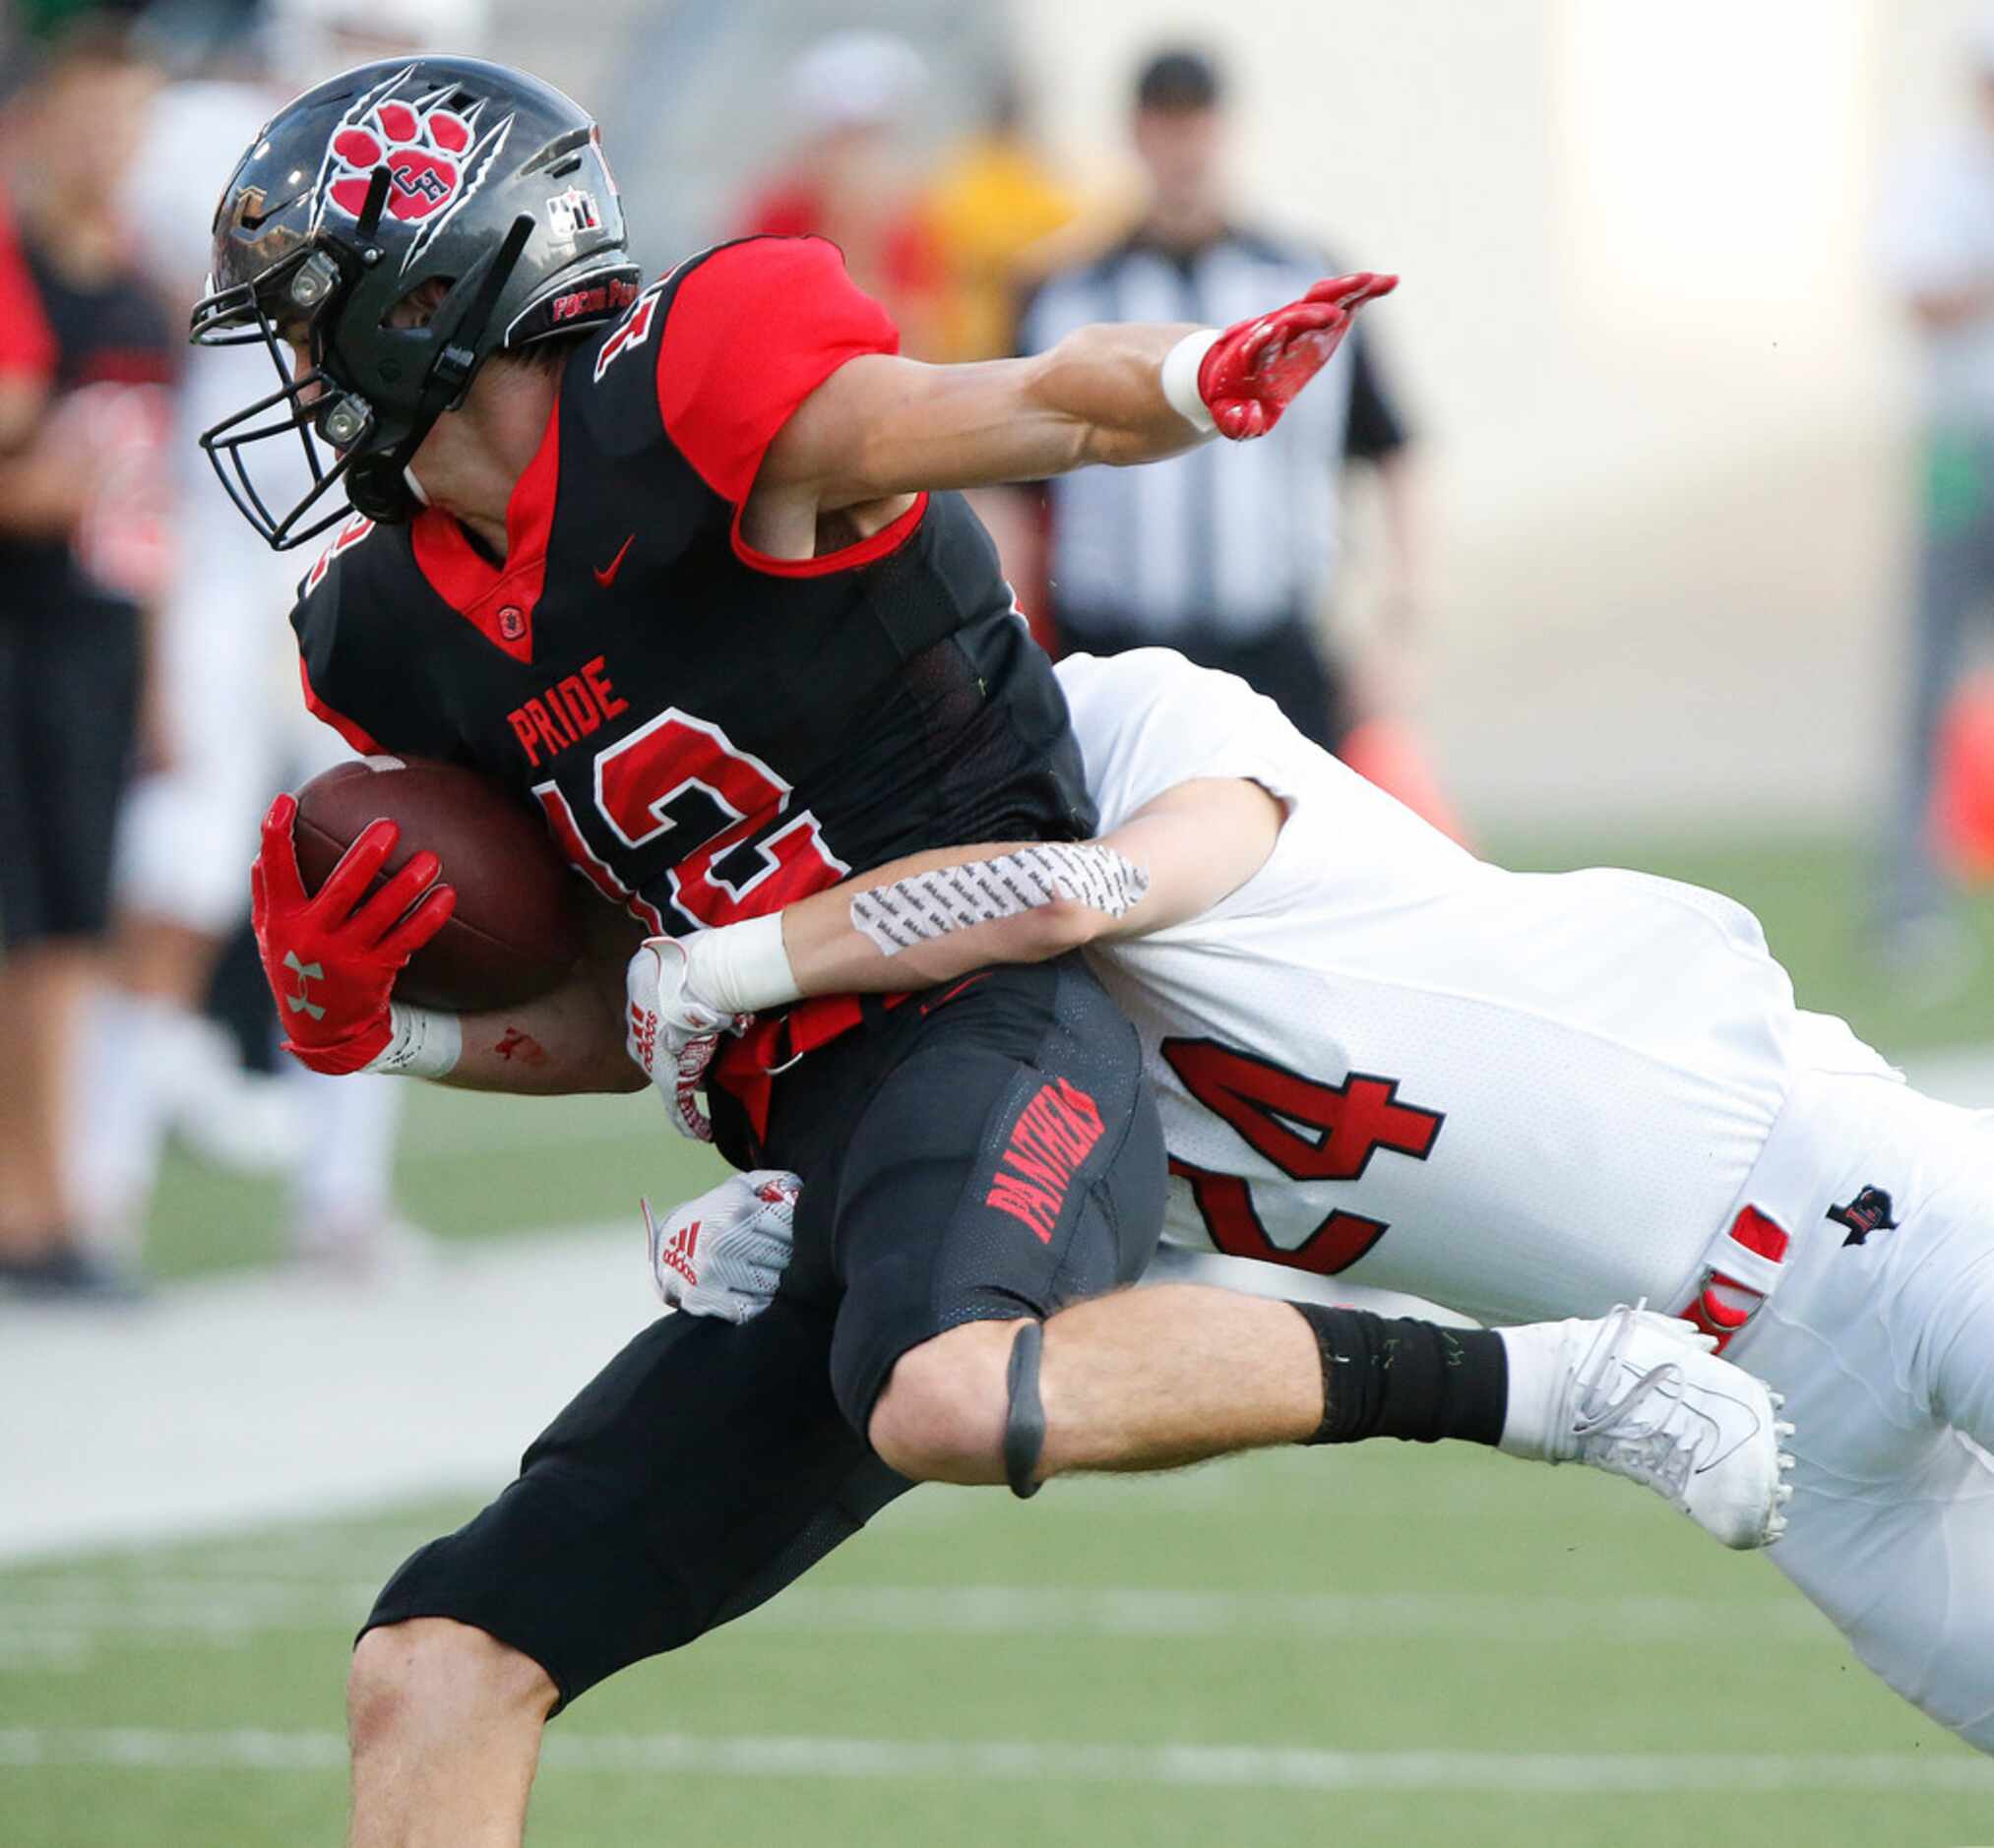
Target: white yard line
x,y
75,1611
1256,1768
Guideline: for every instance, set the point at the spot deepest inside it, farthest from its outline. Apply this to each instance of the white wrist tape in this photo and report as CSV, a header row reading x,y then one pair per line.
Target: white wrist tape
x,y
425,1043
926,905
741,968
1179,379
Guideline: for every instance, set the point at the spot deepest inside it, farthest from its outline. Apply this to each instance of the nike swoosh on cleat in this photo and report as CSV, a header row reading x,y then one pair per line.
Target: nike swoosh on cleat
x,y
605,575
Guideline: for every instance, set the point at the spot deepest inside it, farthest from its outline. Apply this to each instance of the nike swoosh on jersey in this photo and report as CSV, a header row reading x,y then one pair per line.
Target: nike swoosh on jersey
x,y
605,575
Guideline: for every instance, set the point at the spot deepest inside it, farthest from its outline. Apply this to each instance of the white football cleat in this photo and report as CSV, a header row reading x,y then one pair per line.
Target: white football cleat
x,y
1650,1402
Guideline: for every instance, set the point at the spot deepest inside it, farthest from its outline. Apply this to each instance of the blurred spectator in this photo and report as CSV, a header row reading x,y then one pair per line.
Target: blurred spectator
x,y
1938,249
86,357
230,711
844,180
1226,553
992,201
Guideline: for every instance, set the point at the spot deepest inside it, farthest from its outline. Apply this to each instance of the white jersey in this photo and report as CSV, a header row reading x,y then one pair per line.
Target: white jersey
x,y
1383,1058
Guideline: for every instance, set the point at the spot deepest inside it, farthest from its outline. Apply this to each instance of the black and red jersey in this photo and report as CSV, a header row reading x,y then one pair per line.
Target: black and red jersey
x,y
710,733
106,354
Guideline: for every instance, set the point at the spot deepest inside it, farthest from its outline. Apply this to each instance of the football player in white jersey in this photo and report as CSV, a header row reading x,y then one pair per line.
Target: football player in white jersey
x,y
1523,1096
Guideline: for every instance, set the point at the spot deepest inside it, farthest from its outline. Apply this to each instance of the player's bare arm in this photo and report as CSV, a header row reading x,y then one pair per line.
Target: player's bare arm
x,y
931,917
881,428
561,1043
1192,847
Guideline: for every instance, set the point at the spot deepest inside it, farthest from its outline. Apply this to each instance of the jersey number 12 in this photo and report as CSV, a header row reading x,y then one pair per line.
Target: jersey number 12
x,y
678,783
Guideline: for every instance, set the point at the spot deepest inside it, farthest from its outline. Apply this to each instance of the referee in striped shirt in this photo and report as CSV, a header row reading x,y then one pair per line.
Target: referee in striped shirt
x,y
1225,553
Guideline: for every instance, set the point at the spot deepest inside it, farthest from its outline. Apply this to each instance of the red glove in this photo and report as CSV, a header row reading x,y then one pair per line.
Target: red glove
x,y
331,960
1254,369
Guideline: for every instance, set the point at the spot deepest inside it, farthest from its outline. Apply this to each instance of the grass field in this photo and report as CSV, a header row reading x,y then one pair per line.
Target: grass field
x,y
1381,1645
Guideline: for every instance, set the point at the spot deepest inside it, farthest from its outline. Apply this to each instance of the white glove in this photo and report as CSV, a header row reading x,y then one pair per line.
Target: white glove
x,y
724,1253
670,1033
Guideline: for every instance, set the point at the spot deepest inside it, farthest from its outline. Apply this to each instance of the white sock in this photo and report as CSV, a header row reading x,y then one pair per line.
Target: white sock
x,y
1538,1422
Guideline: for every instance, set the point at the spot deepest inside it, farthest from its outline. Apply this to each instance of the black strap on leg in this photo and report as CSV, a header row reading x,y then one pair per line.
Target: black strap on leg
x,y
1024,1418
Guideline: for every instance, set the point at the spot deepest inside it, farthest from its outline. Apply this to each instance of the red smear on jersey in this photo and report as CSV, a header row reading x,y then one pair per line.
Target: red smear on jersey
x,y
498,600
753,330
339,721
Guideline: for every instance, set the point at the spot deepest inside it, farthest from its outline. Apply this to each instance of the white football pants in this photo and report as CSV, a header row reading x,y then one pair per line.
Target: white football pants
x,y
1885,1350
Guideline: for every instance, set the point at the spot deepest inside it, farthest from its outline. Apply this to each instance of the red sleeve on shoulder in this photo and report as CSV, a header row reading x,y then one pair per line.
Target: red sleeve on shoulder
x,y
26,345
339,721
753,330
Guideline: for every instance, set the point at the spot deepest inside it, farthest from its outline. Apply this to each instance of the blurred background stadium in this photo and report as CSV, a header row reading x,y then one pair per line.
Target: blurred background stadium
x,y
1660,347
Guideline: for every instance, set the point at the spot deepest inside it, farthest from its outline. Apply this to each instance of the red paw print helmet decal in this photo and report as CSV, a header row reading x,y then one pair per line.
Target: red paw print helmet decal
x,y
421,152
436,158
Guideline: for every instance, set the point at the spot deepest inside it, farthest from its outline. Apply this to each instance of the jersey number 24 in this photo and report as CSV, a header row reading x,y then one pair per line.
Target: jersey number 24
x,y
1310,1132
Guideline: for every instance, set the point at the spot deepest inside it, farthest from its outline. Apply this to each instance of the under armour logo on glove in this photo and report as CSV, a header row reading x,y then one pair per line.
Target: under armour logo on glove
x,y
306,973
330,957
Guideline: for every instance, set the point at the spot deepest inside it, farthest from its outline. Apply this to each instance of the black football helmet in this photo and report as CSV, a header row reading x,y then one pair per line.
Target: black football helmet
x,y
446,171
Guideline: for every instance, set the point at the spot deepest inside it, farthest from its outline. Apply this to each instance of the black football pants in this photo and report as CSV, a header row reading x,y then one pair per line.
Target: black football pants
x,y
986,1151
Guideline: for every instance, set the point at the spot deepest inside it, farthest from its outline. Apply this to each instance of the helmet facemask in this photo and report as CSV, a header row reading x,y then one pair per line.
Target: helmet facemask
x,y
373,445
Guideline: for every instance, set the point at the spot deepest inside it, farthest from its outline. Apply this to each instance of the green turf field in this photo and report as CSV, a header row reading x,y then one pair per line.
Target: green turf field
x,y
1387,1645
1384,1645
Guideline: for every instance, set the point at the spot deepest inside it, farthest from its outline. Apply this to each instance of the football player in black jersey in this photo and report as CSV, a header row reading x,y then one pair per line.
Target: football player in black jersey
x,y
682,567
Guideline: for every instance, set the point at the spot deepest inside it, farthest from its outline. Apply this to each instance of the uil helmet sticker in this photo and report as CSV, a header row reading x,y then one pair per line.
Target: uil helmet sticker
x,y
436,158
572,213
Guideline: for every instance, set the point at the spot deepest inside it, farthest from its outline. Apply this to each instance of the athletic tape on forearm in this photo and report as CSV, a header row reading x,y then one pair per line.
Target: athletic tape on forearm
x,y
925,905
1179,379
423,1043
741,968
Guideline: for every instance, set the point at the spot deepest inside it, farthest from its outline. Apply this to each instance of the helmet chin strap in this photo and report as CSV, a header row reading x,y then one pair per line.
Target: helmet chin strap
x,y
382,485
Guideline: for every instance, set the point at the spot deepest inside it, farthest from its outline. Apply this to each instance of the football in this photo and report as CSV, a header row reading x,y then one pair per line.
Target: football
x,y
517,930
